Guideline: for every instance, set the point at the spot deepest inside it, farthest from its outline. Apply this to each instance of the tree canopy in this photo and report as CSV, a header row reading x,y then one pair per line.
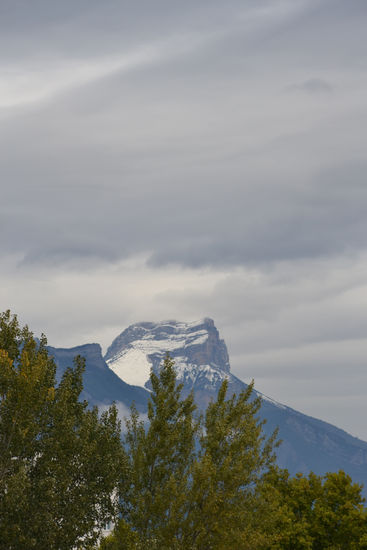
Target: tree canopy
x,y
59,460
192,481
317,512
211,483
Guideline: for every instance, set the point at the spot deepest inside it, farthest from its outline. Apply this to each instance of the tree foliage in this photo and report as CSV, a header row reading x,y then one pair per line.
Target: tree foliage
x,y
211,483
59,460
232,459
317,512
192,481
154,494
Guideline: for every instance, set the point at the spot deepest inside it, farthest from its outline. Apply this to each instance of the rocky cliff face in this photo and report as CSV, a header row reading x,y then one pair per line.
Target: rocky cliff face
x,y
201,357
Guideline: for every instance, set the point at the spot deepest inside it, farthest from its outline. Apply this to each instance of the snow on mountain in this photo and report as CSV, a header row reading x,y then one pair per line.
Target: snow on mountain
x,y
132,366
201,357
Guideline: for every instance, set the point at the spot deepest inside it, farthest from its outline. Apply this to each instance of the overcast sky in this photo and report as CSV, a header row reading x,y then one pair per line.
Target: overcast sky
x,y
173,159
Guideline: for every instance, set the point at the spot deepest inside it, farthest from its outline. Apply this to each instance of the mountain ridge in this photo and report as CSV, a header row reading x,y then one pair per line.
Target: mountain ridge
x,y
101,386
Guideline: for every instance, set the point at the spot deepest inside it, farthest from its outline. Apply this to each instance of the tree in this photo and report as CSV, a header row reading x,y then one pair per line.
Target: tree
x,y
154,494
192,483
59,460
339,519
225,510
318,512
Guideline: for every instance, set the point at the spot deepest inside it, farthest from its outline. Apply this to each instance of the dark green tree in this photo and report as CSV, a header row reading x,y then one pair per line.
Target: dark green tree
x,y
192,483
154,496
339,519
225,510
59,460
318,512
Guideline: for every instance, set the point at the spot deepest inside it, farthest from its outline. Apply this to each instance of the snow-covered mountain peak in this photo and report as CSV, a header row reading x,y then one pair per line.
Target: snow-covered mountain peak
x,y
195,347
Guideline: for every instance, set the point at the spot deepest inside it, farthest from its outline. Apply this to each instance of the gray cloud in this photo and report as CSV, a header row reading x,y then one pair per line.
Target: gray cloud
x,y
184,166
312,86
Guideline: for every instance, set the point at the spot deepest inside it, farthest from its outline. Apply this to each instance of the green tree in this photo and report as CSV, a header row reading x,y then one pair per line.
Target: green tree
x,y
318,512
225,508
154,495
339,519
192,484
292,502
59,460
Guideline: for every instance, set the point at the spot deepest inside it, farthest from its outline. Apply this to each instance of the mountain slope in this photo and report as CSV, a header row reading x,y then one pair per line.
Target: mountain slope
x,y
100,384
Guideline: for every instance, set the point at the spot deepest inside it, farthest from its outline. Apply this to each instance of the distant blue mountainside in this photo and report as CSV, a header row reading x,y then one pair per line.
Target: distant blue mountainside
x,y
101,386
202,363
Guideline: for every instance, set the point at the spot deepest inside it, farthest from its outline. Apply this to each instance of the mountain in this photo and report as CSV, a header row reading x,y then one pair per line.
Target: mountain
x,y
101,385
202,363
201,358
